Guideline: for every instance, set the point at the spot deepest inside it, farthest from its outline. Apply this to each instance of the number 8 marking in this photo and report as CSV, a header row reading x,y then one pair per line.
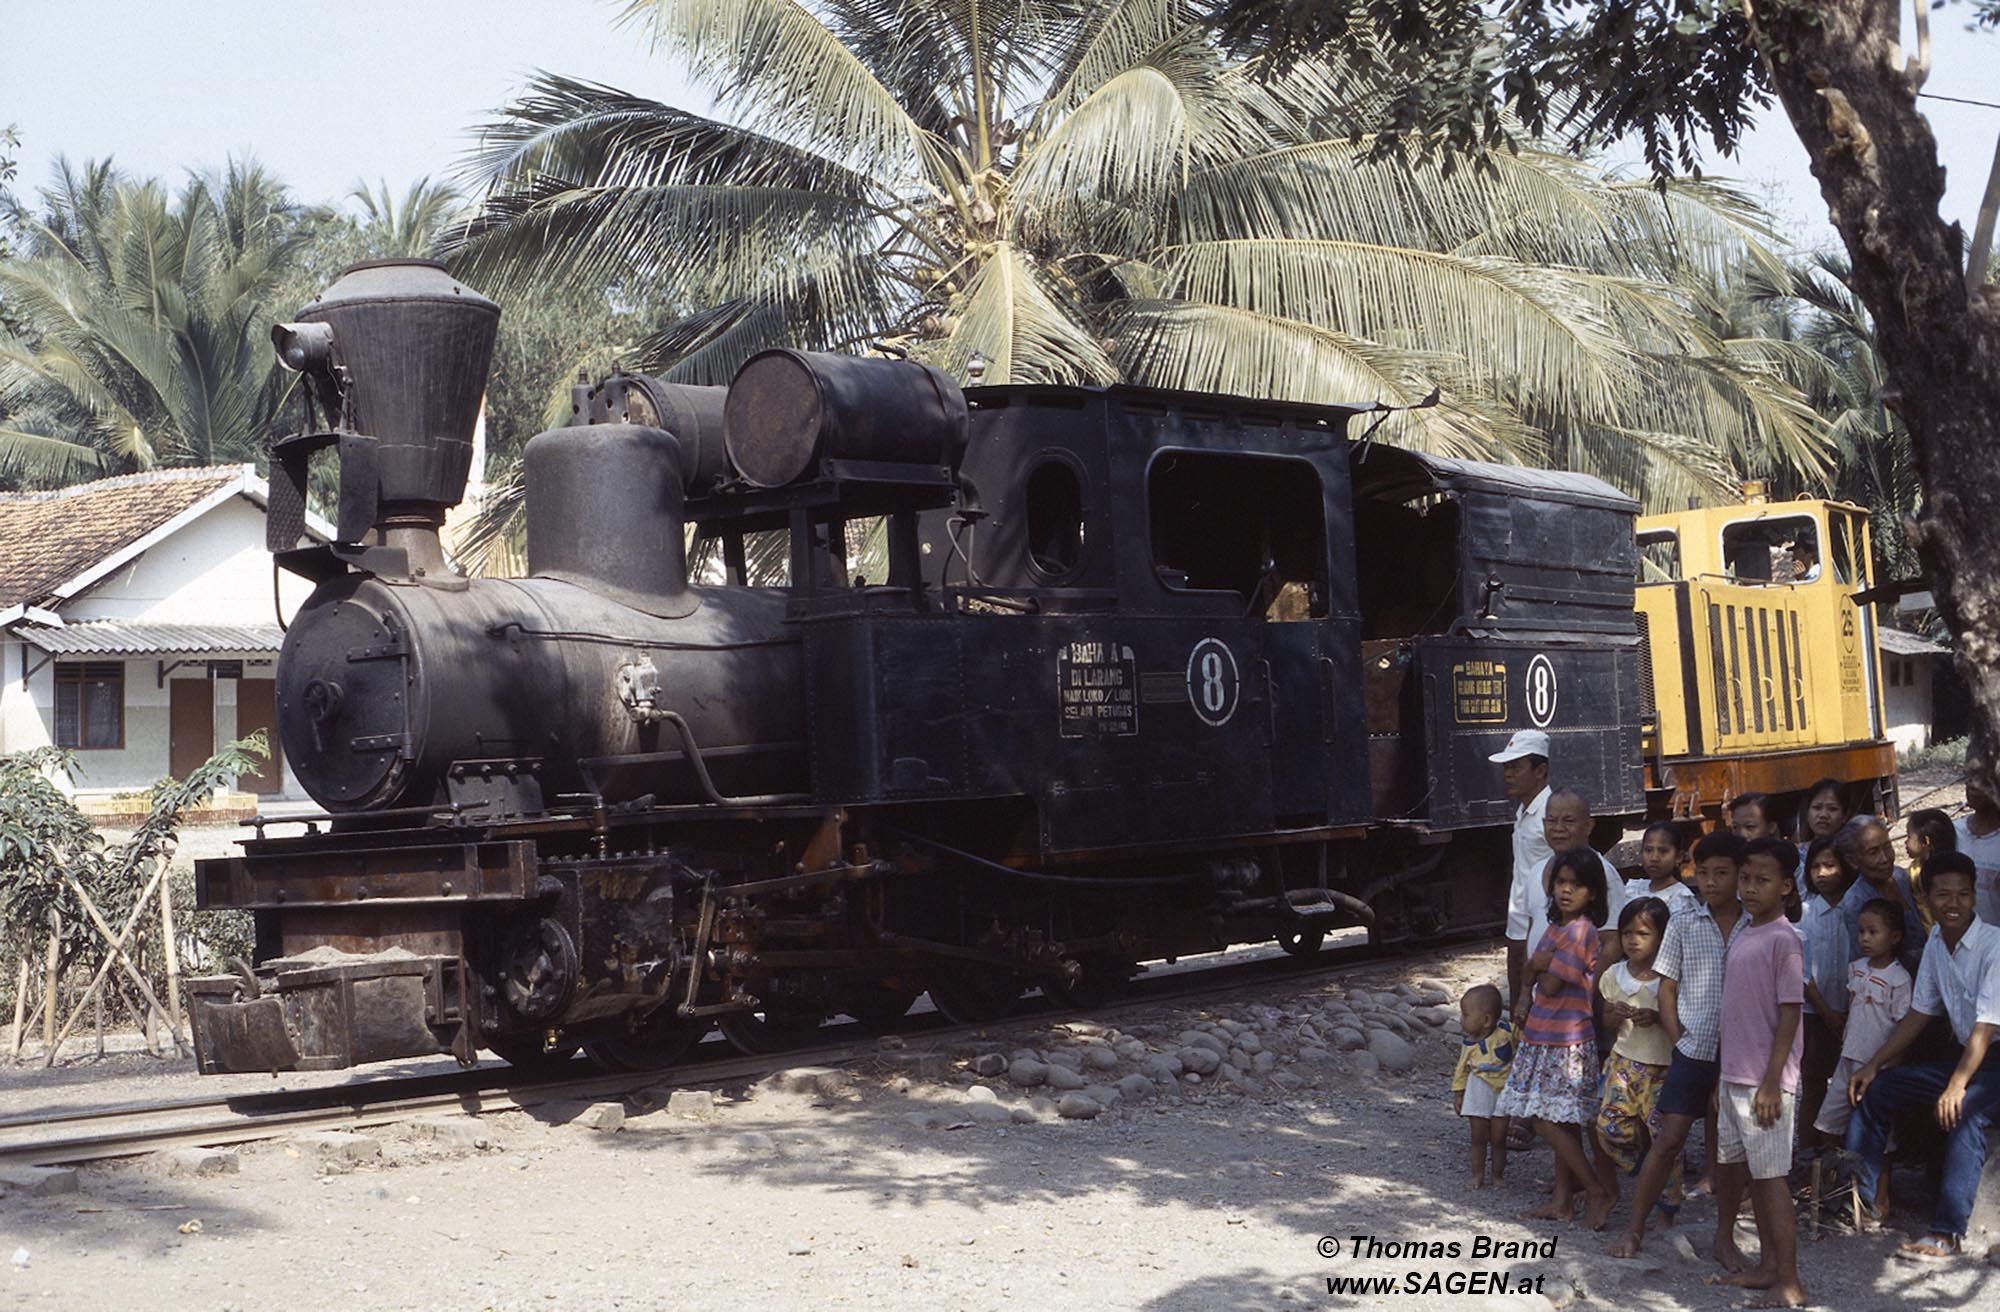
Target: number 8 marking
x,y
1213,682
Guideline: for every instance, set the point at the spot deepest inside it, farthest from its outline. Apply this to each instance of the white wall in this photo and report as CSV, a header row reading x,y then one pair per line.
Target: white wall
x,y
1906,707
214,570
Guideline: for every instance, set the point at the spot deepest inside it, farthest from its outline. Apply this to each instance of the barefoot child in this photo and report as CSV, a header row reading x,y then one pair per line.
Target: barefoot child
x,y
1878,996
1829,949
1763,992
1690,968
1661,855
1484,1058
1628,1113
1554,1080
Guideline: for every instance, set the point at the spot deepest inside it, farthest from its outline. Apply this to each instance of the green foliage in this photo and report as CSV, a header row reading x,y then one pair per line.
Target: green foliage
x,y
141,323
1089,192
1681,76
44,837
1946,755
10,141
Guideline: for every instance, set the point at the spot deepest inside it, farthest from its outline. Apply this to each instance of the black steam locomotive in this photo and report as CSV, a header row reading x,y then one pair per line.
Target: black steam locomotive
x,y
1149,673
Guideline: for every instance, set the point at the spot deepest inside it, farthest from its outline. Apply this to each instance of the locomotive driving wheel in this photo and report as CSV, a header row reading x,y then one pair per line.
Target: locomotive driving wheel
x,y
1098,982
971,997
879,1009
648,1043
526,1053
772,1030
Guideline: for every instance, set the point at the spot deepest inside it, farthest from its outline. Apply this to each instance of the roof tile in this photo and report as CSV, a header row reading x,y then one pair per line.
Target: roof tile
x,y
48,538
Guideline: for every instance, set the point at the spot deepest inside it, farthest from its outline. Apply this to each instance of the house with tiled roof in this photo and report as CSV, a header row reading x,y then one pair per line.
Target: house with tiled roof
x,y
140,624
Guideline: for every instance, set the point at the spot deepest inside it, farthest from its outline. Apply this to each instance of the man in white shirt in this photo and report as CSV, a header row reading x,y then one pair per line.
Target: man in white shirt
x,y
1959,979
1524,763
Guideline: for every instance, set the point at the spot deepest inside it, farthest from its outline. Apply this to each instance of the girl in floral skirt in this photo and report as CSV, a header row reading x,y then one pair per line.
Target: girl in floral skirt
x,y
1628,1113
1554,1080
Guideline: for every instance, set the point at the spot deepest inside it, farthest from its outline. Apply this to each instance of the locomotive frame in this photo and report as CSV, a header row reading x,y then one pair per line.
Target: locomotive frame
x,y
1150,673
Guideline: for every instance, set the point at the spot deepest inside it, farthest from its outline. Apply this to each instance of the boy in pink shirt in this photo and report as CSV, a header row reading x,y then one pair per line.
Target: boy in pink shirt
x,y
1763,991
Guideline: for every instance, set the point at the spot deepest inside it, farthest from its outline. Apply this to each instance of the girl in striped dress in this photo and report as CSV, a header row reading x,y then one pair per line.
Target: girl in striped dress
x,y
1555,1075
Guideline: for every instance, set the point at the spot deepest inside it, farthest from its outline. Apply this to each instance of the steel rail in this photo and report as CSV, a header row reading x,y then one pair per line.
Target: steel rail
x,y
128,1129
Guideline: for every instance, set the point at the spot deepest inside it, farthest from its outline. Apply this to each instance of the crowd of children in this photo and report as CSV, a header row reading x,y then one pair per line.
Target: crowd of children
x,y
1782,994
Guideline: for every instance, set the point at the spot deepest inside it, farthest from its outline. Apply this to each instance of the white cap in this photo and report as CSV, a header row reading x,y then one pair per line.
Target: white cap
x,y
1526,742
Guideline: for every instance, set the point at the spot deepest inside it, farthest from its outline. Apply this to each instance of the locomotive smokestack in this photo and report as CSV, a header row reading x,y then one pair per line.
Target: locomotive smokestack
x,y
398,352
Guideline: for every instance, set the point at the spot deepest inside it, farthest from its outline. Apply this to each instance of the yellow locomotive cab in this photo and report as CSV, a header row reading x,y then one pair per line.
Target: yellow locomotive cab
x,y
1762,664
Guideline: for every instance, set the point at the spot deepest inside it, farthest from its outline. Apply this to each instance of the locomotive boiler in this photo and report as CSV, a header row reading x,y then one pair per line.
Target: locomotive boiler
x,y
1145,674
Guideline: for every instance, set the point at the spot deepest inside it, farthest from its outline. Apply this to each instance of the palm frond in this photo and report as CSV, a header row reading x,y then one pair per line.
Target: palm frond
x,y
775,61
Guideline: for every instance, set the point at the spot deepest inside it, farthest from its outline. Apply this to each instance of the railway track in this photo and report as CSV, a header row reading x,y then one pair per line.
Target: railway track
x,y
93,1134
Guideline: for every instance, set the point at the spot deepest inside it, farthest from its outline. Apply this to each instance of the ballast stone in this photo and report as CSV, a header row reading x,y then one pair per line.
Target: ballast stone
x,y
1028,1073
691,1104
338,1146
1391,1051
39,1181
203,1161
1077,1107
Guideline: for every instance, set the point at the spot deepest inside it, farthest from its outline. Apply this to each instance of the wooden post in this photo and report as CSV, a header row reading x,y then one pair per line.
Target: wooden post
x,y
20,1007
49,985
173,954
97,1013
116,956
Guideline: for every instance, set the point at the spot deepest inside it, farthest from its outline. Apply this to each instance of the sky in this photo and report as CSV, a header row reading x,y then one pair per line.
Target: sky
x,y
391,90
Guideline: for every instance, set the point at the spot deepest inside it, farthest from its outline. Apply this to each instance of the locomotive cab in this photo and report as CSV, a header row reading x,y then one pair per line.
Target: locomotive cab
x,y
1498,598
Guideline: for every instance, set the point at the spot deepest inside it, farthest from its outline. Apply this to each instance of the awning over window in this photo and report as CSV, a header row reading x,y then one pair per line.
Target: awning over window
x,y
127,638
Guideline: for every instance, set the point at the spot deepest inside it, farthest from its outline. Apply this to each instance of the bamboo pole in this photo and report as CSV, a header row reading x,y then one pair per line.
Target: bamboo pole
x,y
97,1015
49,985
34,1019
173,956
115,957
20,1007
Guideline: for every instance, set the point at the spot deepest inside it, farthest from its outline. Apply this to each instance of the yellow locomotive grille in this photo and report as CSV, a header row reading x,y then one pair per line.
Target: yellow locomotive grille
x,y
1759,669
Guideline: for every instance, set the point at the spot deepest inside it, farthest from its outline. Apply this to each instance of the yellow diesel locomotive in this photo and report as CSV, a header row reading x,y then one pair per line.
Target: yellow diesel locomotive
x,y
1761,671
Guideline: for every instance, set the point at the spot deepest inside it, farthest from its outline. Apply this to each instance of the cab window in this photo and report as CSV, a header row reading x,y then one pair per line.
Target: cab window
x,y
1254,526
1659,556
1777,549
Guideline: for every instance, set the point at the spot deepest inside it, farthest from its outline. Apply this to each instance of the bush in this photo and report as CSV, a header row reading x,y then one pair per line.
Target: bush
x,y
1949,754
49,849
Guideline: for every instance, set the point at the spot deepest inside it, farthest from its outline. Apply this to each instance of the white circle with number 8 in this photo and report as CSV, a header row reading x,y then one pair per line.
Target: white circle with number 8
x,y
1541,691
1212,680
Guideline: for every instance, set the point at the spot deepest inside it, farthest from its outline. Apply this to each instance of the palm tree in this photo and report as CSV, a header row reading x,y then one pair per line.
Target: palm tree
x,y
142,323
411,227
1091,191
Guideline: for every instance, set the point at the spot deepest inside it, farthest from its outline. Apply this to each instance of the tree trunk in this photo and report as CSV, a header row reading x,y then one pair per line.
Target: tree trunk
x,y
1839,72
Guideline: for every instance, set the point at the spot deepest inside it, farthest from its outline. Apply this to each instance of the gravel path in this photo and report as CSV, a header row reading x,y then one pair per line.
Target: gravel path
x,y
907,1181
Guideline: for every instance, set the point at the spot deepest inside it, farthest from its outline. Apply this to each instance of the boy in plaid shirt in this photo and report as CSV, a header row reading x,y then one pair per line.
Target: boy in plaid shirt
x,y
1690,969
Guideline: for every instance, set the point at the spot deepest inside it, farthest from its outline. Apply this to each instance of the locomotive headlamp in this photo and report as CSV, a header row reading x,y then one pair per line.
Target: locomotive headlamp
x,y
304,348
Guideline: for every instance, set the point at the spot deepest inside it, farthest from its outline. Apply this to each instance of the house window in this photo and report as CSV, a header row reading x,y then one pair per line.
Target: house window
x,y
1895,674
90,704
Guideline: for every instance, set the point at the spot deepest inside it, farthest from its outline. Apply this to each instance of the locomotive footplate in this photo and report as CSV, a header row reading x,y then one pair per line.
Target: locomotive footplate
x,y
328,1010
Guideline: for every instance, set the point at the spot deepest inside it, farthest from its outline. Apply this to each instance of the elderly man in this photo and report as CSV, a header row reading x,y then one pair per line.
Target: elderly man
x,y
1524,773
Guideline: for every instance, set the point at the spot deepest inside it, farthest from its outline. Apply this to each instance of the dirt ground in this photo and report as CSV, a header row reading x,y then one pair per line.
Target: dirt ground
x,y
906,1181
